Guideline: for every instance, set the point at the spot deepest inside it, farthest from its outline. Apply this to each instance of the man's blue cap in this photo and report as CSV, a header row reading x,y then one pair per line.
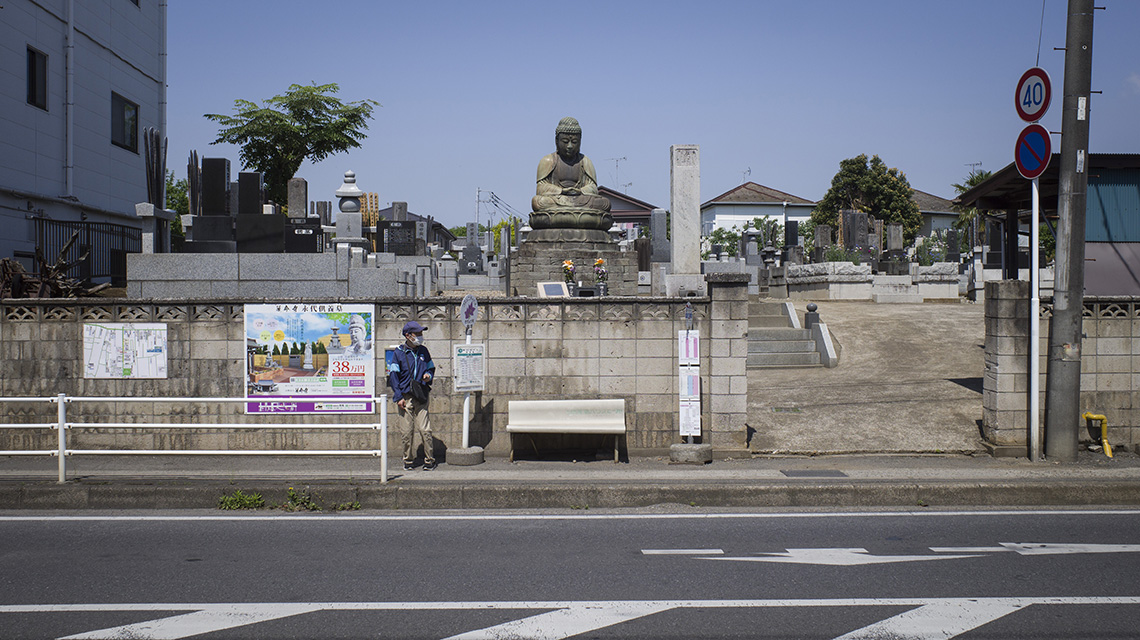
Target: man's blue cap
x,y
412,327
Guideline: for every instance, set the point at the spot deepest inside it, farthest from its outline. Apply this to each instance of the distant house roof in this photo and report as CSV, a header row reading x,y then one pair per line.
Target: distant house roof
x,y
928,203
626,208
753,193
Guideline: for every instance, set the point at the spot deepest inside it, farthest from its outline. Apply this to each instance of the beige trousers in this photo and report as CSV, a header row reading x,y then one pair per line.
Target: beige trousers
x,y
415,415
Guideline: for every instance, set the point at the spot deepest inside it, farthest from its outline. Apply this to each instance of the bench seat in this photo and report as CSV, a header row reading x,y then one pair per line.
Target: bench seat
x,y
590,416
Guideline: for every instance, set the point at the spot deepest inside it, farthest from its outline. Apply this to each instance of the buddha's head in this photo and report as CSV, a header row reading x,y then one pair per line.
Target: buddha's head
x,y
568,138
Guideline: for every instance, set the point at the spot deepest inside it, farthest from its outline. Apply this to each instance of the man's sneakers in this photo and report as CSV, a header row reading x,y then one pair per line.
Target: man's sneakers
x,y
407,466
429,466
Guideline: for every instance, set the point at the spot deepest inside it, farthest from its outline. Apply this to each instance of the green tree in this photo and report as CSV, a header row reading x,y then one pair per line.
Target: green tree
x,y
968,216
869,186
729,239
498,230
306,122
178,201
770,229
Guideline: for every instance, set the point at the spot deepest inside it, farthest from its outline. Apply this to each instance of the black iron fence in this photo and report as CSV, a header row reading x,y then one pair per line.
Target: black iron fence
x,y
105,244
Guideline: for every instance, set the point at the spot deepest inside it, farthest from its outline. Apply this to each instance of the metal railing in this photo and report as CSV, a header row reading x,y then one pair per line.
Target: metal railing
x,y
62,425
108,245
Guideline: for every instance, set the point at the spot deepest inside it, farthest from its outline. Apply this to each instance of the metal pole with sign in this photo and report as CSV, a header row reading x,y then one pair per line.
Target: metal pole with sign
x,y
468,311
1031,155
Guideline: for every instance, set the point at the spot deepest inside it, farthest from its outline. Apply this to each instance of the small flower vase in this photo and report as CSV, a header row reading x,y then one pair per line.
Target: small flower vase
x,y
602,288
572,287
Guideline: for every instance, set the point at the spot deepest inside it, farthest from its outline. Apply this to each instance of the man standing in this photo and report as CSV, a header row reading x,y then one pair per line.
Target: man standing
x,y
410,376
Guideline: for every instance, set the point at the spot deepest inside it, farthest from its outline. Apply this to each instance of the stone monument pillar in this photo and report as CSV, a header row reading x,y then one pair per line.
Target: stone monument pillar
x,y
685,236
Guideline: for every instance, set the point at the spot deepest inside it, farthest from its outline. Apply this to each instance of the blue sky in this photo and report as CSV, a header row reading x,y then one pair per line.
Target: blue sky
x,y
472,91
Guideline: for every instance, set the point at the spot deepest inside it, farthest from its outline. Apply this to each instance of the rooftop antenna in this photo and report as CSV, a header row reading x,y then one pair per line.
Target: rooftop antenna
x,y
973,166
617,167
745,174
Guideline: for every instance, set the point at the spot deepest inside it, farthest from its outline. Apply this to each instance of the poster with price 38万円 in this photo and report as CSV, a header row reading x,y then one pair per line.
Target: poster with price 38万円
x,y
309,358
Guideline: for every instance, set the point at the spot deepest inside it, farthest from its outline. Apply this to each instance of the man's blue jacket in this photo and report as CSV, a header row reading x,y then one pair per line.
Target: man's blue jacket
x,y
408,364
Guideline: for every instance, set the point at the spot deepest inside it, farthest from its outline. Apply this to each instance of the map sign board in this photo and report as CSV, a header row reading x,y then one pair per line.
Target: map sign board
x,y
309,358
124,350
469,364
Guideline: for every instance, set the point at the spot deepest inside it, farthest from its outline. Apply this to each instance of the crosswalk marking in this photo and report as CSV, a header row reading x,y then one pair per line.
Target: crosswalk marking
x,y
564,623
214,618
925,618
934,621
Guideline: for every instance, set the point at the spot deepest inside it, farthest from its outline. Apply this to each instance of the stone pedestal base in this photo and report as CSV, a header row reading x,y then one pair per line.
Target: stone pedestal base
x,y
536,262
465,457
685,285
691,453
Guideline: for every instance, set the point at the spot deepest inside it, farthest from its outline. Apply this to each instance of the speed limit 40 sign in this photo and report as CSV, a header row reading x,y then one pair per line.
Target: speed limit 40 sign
x,y
1034,91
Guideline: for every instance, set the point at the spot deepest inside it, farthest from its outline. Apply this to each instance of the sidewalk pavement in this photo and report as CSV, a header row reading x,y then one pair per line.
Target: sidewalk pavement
x,y
839,481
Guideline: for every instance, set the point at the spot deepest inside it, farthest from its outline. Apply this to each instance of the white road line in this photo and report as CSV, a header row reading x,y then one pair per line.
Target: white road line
x,y
564,623
549,516
931,618
214,618
681,552
934,621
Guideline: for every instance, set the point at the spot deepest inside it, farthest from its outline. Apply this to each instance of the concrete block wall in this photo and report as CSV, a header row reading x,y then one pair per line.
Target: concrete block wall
x,y
1110,360
260,276
537,349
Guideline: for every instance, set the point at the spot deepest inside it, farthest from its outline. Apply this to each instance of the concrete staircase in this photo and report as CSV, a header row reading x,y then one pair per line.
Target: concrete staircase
x,y
773,341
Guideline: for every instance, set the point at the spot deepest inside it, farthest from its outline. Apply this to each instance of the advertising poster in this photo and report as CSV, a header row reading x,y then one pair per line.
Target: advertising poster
x,y
309,358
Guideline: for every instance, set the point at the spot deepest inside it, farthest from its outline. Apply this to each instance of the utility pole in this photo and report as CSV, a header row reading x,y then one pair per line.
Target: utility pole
x,y
1063,378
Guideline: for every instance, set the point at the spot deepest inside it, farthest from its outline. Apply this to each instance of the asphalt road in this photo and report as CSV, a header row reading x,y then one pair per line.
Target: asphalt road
x,y
930,574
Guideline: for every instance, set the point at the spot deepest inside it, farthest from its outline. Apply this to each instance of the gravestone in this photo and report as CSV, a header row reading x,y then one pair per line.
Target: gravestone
x,y
396,236
821,242
471,260
791,233
250,192
895,241
298,196
215,186
659,236
399,211
854,229
257,233
233,199
952,252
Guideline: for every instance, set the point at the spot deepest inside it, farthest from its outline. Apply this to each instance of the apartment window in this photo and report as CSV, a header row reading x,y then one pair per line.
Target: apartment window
x,y
37,79
124,123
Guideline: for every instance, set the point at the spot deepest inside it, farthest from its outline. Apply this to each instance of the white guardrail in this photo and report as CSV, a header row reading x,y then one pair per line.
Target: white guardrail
x,y
61,425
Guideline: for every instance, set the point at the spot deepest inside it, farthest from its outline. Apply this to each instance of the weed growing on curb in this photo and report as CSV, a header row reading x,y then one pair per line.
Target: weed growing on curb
x,y
300,501
239,500
347,506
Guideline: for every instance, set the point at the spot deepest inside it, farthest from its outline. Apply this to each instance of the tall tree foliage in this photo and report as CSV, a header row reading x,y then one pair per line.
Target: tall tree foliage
x,y
967,215
870,186
306,122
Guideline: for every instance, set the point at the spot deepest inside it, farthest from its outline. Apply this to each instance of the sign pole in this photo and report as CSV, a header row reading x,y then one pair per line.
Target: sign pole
x,y
1035,327
467,408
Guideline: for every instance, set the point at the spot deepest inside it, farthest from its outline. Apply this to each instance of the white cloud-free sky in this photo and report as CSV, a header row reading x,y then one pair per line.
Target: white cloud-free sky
x,y
777,93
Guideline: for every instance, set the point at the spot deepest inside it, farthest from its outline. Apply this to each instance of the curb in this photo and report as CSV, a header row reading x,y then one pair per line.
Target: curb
x,y
581,495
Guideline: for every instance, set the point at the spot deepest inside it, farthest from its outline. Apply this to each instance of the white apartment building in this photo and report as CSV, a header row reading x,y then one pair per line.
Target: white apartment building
x,y
83,79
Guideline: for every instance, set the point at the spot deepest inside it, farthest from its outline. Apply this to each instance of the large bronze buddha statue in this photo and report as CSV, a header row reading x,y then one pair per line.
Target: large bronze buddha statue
x,y
566,205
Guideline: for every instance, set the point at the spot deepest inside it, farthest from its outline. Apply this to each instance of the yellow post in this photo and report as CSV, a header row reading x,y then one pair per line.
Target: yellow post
x,y
1089,417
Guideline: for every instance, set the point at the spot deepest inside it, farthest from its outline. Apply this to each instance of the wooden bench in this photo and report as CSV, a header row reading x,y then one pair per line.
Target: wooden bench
x,y
604,417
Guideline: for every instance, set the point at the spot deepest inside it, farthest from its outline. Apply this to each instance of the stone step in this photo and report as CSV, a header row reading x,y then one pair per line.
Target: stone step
x,y
757,360
765,308
786,333
781,346
770,322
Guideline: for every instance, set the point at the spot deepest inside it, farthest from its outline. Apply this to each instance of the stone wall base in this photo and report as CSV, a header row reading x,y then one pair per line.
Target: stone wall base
x,y
536,262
